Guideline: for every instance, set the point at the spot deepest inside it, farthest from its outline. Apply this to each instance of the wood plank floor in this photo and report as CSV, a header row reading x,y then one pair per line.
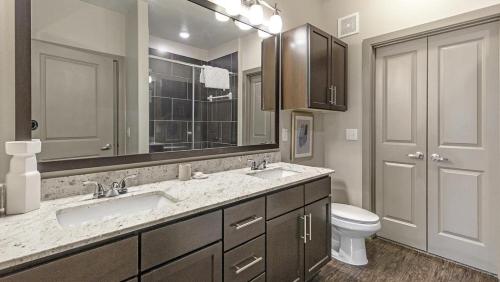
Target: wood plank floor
x,y
390,262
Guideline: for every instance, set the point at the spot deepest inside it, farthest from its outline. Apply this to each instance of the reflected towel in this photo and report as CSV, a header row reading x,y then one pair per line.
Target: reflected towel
x,y
214,77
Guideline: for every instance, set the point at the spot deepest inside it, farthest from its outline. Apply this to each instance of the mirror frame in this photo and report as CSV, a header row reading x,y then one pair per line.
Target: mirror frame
x,y
23,104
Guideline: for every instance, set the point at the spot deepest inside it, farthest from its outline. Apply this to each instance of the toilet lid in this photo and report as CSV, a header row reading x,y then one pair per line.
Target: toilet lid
x,y
352,213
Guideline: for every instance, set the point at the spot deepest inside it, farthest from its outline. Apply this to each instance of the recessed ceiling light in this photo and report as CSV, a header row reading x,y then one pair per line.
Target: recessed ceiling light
x,y
184,34
221,18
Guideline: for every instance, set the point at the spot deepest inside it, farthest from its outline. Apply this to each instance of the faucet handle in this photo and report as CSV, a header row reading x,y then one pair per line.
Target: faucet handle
x,y
122,185
253,164
99,190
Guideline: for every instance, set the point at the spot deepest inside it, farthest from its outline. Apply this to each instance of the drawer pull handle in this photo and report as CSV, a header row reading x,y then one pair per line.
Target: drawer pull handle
x,y
310,227
239,269
247,222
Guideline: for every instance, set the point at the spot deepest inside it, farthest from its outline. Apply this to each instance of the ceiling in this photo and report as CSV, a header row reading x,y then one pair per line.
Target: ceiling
x,y
120,6
169,17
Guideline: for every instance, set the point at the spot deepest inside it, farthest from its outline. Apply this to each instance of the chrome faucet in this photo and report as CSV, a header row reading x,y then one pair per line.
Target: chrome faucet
x,y
116,188
254,165
99,191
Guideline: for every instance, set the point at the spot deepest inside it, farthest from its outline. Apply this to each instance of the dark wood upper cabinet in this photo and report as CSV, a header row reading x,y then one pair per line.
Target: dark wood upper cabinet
x,y
270,73
314,66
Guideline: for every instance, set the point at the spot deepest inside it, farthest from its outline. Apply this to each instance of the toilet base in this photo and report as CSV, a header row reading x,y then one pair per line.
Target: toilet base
x,y
352,251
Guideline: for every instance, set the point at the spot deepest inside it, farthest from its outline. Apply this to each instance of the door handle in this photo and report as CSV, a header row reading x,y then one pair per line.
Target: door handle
x,y
333,95
310,227
106,147
304,221
438,158
417,156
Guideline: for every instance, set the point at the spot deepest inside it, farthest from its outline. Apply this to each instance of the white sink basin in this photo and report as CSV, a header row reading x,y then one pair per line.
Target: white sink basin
x,y
111,209
273,173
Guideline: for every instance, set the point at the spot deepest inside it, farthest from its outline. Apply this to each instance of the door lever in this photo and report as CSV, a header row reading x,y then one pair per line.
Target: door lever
x,y
417,156
106,147
438,158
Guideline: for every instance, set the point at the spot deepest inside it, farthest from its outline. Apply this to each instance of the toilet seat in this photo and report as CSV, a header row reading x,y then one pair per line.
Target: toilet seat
x,y
353,214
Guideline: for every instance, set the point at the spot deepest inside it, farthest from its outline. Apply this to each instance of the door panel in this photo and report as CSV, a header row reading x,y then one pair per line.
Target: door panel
x,y
318,247
463,119
75,114
319,50
339,72
401,101
285,248
259,123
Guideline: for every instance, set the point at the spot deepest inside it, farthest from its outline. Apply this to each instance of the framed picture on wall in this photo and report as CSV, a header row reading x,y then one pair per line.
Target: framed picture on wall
x,y
302,135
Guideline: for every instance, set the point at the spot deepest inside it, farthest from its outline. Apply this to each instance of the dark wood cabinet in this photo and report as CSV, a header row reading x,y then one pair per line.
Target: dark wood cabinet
x,y
203,265
112,262
314,70
318,247
285,248
279,236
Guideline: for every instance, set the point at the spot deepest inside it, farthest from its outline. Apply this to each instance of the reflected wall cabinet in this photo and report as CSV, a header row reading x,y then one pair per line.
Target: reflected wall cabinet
x,y
314,70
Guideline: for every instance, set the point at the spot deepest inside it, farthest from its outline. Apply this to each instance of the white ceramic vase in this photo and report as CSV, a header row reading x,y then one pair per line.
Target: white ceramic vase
x,y
23,180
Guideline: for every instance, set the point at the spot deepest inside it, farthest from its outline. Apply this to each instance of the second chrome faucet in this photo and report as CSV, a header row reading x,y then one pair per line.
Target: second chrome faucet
x,y
116,188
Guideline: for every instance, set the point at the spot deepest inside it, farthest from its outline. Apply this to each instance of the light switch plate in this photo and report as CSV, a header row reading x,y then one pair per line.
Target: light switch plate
x,y
351,134
284,134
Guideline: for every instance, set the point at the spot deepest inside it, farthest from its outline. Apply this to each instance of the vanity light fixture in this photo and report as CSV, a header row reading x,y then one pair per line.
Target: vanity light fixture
x,y
275,22
220,17
256,13
233,7
184,34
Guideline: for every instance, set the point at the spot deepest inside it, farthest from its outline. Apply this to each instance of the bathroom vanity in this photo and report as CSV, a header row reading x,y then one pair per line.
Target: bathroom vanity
x,y
239,225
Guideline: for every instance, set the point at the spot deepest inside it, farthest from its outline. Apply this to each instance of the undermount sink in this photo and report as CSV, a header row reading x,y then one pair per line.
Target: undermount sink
x,y
273,173
112,208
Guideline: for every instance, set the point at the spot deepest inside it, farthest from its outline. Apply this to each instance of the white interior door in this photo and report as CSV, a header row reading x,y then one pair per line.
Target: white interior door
x,y
463,130
401,101
72,100
259,125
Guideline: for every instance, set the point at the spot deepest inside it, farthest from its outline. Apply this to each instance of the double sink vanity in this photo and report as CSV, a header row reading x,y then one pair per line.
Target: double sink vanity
x,y
237,225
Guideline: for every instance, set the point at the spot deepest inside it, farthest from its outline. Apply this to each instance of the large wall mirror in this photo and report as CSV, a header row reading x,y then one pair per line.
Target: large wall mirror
x,y
120,81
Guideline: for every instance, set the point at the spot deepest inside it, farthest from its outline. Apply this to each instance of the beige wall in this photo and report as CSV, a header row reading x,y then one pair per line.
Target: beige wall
x,y
79,24
376,18
7,89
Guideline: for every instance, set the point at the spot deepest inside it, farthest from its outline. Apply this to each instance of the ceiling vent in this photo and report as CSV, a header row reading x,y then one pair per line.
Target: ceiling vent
x,y
348,25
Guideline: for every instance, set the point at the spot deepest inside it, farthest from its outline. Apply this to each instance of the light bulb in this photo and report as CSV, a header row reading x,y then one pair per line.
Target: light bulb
x,y
242,26
184,34
275,23
256,14
233,7
263,34
221,18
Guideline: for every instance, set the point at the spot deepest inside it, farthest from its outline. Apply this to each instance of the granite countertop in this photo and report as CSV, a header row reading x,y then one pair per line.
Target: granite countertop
x,y
37,234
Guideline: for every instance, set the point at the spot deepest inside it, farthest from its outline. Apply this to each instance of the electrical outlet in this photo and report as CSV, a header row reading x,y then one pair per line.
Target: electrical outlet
x,y
284,134
351,134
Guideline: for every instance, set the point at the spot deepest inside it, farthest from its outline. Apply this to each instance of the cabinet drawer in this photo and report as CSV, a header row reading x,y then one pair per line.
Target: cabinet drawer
x,y
203,265
169,242
317,190
244,222
246,261
260,278
113,262
284,201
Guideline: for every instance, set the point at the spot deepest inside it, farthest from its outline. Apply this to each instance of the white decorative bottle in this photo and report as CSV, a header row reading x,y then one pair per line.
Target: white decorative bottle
x,y
23,180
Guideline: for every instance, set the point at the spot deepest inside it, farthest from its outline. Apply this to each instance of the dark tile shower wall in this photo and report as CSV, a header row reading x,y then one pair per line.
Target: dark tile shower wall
x,y
171,106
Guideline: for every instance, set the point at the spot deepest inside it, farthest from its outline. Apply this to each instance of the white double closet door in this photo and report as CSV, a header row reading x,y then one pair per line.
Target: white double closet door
x,y
437,143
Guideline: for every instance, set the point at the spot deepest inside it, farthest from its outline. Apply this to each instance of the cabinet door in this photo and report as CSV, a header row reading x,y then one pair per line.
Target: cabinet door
x,y
318,246
319,69
339,75
285,247
201,266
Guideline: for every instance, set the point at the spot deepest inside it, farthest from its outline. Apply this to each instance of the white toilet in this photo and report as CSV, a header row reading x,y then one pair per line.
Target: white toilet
x,y
350,226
